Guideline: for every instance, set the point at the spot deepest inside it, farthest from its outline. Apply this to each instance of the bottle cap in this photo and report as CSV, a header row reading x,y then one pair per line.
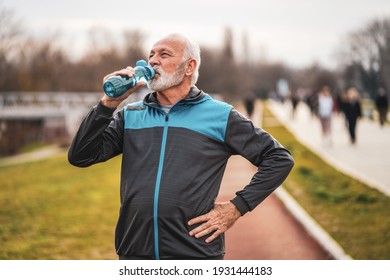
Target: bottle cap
x,y
141,63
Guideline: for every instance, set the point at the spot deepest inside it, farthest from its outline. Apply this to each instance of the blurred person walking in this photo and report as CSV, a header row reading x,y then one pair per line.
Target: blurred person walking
x,y
311,100
325,110
249,104
294,103
382,105
353,112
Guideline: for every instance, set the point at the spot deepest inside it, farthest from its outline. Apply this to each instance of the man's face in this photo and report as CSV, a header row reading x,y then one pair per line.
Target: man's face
x,y
166,59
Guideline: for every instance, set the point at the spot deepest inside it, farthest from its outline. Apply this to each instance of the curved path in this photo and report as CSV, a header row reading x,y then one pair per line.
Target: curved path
x,y
269,232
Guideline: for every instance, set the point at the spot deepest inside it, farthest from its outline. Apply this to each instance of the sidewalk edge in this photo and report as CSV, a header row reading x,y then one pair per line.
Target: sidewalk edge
x,y
311,226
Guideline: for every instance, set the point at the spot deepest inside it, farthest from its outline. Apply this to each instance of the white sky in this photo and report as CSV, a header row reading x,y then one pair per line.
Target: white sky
x,y
297,32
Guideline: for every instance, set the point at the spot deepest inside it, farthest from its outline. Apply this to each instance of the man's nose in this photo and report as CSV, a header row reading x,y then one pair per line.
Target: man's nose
x,y
153,60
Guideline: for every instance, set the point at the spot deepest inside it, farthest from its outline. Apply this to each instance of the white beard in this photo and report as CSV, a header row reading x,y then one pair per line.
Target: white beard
x,y
166,80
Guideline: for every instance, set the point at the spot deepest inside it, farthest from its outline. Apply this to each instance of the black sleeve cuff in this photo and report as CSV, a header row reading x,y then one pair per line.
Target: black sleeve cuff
x,y
241,205
104,111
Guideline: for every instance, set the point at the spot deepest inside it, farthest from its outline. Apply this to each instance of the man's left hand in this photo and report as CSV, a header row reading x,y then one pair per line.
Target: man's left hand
x,y
217,221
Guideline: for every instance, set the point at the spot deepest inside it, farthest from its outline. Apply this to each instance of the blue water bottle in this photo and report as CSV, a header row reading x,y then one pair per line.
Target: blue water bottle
x,y
115,86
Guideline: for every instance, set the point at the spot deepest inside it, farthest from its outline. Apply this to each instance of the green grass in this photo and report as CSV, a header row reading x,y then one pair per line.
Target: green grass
x,y
51,210
355,215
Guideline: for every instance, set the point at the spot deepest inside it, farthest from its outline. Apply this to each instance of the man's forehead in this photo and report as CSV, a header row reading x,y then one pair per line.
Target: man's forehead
x,y
170,44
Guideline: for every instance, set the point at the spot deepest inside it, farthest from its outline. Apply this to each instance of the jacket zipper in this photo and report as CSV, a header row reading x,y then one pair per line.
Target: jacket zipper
x,y
157,188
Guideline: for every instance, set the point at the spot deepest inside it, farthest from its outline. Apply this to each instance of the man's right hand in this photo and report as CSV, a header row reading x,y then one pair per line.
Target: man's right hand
x,y
114,102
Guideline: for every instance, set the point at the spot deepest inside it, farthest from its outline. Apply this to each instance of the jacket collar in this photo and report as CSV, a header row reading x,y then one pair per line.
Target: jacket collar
x,y
194,96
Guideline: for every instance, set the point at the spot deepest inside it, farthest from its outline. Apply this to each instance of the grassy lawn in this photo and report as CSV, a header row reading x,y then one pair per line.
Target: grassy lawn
x,y
355,215
51,210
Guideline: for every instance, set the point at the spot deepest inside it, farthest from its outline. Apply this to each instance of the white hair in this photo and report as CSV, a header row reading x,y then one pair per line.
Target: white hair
x,y
191,50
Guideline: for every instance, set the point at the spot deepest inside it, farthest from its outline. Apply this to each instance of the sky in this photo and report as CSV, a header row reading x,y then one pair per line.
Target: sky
x,y
296,32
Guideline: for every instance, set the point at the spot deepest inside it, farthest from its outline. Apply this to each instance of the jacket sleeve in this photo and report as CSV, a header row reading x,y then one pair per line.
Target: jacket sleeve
x,y
98,139
274,162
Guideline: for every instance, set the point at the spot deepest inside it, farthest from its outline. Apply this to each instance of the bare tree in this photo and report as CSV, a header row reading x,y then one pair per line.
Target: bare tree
x,y
228,75
42,65
209,70
368,52
10,32
133,46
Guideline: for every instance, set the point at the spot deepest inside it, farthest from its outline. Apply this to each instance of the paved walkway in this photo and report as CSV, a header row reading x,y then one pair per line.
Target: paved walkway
x,y
38,154
367,161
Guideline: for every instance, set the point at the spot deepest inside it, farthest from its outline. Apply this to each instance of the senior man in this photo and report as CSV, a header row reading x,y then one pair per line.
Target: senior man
x,y
175,145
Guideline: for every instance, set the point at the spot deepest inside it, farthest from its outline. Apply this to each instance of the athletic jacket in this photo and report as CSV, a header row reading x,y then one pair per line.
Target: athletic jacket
x,y
172,167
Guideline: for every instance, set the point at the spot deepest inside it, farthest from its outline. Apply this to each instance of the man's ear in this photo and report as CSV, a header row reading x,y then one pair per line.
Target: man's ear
x,y
191,65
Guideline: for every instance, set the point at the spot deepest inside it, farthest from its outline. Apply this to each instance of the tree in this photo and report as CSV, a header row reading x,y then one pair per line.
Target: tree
x,y
42,66
133,46
228,74
10,32
368,53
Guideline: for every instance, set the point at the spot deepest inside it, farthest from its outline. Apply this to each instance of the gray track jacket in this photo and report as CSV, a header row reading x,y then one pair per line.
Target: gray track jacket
x,y
172,167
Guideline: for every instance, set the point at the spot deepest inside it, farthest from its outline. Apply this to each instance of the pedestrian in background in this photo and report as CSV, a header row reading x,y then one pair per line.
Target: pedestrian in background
x,y
249,103
382,105
294,103
353,112
325,110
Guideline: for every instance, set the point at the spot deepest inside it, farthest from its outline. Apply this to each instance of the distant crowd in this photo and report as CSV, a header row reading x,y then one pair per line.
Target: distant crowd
x,y
324,104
